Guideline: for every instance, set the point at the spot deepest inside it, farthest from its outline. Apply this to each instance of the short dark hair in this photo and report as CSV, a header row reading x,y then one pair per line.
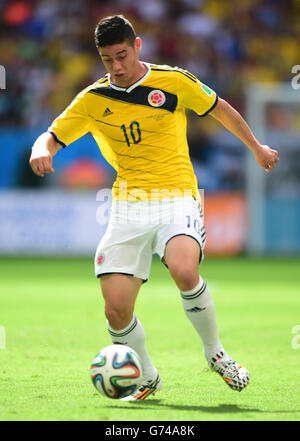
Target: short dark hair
x,y
114,30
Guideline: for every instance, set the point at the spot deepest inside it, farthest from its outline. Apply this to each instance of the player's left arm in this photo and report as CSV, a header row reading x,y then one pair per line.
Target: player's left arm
x,y
235,123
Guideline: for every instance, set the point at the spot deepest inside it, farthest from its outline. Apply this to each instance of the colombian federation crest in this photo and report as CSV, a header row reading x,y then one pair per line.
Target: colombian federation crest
x,y
100,259
156,98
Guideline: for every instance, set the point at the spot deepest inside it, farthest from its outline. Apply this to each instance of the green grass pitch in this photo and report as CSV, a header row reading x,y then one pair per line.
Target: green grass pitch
x,y
52,312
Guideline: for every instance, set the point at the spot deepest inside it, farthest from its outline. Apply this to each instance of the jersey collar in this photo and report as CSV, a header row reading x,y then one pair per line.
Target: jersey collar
x,y
134,85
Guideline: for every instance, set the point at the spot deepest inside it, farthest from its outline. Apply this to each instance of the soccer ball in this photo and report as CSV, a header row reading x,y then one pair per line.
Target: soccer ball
x,y
117,371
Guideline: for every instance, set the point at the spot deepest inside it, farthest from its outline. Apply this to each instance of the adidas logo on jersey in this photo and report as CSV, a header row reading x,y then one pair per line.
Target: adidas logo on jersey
x,y
107,112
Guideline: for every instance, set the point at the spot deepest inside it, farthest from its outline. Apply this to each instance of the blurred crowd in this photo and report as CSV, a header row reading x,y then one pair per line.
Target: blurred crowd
x,y
48,51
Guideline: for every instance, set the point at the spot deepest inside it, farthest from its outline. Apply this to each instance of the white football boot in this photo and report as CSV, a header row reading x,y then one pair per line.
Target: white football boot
x,y
146,389
236,376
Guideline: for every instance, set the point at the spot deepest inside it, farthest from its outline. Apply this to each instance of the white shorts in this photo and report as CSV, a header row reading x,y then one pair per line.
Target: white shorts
x,y
139,229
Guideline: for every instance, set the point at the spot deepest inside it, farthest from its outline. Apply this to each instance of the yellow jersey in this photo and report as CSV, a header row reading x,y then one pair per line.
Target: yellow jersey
x,y
141,130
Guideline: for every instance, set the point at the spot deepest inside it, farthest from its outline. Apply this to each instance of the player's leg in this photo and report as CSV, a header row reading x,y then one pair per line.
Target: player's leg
x,y
123,261
120,292
182,255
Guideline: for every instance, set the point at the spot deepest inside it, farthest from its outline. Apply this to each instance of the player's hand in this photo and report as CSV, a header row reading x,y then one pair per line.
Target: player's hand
x,y
266,157
41,164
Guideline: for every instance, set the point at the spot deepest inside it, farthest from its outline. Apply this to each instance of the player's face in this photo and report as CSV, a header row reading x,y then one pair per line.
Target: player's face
x,y
122,62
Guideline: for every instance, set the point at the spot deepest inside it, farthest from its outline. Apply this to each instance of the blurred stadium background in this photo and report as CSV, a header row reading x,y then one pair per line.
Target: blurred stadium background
x,y
245,50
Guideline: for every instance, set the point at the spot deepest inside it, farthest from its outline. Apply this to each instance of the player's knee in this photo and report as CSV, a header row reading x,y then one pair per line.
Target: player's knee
x,y
117,316
185,275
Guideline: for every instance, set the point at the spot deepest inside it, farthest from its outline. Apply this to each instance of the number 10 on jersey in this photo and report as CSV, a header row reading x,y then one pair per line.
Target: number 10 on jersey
x,y
134,134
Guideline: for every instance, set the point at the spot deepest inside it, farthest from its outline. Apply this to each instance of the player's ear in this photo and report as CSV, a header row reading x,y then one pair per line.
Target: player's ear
x,y
138,44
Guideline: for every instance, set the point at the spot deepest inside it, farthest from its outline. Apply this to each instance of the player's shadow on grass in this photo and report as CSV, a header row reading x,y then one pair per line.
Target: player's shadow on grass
x,y
222,408
229,408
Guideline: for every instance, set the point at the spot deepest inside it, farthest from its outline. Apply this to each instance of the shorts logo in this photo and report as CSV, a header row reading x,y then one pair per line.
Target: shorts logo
x,y
100,259
156,98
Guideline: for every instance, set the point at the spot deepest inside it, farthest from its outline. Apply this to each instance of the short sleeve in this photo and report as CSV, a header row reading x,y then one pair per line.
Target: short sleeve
x,y
195,95
73,123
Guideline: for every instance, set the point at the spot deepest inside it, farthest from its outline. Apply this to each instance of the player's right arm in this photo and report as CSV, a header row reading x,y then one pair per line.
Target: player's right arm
x,y
65,129
43,150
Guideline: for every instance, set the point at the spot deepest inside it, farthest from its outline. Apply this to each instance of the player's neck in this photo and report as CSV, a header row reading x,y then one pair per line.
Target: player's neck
x,y
141,71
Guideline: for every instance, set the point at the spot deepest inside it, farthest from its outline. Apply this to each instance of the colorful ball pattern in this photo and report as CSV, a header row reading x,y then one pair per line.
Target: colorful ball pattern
x,y
117,371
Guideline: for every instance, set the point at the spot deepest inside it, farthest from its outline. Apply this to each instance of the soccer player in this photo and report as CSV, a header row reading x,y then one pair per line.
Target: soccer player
x,y
136,114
